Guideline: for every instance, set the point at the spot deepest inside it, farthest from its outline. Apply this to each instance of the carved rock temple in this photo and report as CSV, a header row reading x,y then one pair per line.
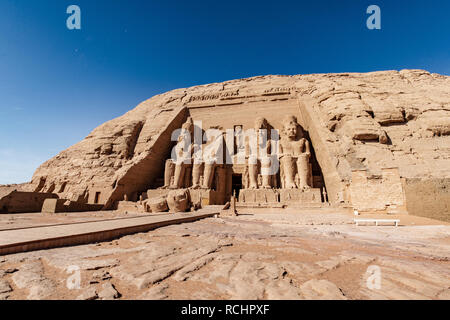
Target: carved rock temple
x,y
262,178
373,142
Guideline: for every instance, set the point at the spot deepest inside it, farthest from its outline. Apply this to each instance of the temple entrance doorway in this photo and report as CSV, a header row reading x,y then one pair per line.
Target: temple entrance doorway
x,y
236,184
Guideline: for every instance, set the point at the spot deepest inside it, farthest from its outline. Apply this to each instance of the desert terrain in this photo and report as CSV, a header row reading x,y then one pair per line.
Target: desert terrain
x,y
304,255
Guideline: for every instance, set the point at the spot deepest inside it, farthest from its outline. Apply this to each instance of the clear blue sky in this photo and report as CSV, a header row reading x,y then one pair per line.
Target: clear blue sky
x,y
56,85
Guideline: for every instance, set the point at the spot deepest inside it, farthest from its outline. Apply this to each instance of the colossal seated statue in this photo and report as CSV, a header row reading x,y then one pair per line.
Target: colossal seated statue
x,y
294,155
174,174
258,151
212,156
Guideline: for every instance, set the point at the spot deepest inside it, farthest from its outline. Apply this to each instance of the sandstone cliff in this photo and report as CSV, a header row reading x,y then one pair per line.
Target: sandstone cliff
x,y
364,121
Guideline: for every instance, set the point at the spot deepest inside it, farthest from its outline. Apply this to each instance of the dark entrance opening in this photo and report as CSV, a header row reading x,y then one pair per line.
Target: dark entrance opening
x,y
236,184
97,197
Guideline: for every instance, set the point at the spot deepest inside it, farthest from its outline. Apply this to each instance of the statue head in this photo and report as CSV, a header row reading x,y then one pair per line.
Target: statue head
x,y
290,127
187,131
188,125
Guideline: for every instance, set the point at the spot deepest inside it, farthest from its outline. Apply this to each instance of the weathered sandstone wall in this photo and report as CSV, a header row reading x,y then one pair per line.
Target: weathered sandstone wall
x,y
383,193
19,201
428,198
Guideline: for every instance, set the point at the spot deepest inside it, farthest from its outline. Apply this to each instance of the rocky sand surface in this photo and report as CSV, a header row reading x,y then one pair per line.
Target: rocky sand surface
x,y
263,256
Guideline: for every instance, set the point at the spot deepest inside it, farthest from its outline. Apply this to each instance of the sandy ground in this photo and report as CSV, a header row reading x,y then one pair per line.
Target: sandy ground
x,y
262,256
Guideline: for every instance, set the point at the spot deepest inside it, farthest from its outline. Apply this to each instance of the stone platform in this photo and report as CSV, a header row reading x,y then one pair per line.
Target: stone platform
x,y
300,197
204,196
280,197
46,237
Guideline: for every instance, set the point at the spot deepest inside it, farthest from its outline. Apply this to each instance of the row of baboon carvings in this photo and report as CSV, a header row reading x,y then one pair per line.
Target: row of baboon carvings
x,y
291,161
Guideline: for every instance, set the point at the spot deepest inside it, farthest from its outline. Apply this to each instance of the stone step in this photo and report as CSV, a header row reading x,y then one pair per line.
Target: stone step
x,y
46,237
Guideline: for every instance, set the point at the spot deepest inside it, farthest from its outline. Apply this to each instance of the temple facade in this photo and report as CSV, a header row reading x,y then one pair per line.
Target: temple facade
x,y
257,163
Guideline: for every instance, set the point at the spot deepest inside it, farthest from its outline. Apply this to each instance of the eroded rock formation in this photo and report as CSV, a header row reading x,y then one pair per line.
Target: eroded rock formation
x,y
357,123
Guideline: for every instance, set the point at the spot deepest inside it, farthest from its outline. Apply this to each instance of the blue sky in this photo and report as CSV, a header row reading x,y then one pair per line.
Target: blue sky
x,y
57,85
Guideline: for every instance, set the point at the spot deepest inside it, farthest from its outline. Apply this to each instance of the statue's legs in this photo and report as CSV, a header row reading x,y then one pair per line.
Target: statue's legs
x,y
208,175
178,176
265,173
169,171
196,173
187,181
253,172
303,169
288,165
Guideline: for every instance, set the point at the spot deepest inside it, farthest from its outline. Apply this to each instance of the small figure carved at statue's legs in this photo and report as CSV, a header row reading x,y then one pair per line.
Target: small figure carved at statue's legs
x,y
253,172
289,172
303,171
310,176
265,173
178,177
187,181
196,172
168,173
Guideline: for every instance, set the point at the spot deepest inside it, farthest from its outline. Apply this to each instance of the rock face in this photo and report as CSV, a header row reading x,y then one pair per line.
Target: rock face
x,y
368,131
